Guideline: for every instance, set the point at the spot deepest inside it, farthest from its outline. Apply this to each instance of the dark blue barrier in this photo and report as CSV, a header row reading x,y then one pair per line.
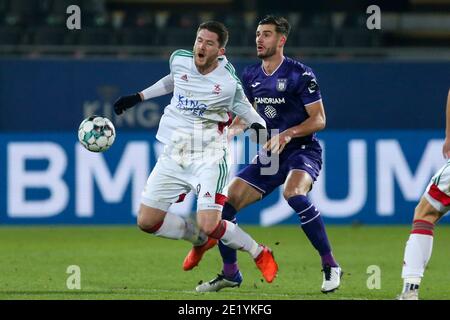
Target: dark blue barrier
x,y
369,177
48,95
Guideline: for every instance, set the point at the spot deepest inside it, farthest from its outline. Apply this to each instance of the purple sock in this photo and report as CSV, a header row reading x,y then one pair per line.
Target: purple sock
x,y
328,259
313,226
230,269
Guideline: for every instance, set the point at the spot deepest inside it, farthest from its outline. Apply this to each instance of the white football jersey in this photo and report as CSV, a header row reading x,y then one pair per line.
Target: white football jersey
x,y
201,102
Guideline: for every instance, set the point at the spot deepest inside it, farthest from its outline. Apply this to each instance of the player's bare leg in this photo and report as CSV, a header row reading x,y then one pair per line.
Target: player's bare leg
x,y
240,195
207,220
234,237
212,224
418,248
168,225
149,217
296,187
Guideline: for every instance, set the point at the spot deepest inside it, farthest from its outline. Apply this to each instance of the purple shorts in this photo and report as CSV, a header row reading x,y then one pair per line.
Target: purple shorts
x,y
307,158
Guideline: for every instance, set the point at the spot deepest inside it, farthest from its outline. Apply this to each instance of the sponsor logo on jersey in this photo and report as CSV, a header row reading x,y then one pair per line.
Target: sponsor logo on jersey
x,y
191,105
270,112
269,100
281,85
254,85
184,77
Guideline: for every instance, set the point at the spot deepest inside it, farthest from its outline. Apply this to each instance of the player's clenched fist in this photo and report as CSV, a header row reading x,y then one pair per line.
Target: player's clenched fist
x,y
126,102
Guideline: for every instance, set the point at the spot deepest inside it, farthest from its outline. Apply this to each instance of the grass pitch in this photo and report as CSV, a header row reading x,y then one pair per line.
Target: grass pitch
x,y
125,263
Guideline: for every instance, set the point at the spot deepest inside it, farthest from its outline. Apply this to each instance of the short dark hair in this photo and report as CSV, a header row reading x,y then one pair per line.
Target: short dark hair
x,y
281,24
218,28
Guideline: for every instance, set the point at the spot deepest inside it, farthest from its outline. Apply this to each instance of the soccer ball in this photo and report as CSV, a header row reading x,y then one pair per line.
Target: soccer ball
x,y
96,133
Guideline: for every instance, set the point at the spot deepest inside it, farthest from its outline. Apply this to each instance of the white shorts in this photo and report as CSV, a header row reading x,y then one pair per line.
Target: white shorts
x,y
173,177
438,191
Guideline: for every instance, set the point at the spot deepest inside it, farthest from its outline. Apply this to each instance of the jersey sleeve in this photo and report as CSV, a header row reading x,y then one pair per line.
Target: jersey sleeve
x,y
309,90
172,57
242,108
246,85
176,54
162,87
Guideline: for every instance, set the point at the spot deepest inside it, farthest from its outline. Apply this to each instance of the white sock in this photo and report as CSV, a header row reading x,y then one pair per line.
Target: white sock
x,y
236,238
176,227
417,254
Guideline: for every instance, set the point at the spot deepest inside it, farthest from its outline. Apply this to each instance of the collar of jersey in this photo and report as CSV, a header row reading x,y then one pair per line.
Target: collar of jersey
x,y
269,75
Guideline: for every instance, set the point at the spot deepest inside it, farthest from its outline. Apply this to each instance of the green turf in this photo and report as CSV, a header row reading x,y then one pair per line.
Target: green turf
x,y
124,263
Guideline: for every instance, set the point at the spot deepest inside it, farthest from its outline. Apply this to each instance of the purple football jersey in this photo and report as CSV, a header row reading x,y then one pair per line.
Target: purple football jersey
x,y
281,99
282,96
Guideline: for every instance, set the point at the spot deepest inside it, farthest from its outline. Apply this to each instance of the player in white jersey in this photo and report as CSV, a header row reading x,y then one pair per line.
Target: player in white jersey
x,y
434,203
193,131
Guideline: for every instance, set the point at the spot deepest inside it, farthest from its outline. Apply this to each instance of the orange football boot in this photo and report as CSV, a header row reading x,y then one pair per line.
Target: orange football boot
x,y
195,255
266,263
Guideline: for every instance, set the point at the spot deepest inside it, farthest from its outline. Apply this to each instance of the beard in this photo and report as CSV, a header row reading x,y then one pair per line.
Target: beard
x,y
207,62
269,52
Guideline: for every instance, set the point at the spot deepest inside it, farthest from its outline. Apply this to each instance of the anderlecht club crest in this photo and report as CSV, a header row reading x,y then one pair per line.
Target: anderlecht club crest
x,y
281,85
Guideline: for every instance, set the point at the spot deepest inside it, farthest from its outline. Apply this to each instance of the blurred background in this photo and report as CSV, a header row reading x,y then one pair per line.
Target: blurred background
x,y
384,93
118,28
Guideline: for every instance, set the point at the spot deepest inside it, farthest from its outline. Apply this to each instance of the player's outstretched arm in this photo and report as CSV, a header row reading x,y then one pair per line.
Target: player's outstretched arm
x,y
254,121
446,147
160,88
237,127
126,102
246,113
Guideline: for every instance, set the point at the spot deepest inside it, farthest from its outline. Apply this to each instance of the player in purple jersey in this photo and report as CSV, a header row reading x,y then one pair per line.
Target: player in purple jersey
x,y
286,94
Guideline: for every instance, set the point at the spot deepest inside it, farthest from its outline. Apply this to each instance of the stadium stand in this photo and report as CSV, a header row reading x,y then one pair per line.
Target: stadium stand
x,y
109,26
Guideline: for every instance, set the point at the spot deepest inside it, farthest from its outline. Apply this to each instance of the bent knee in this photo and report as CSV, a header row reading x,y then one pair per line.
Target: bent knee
x,y
241,194
233,199
214,231
207,229
144,224
289,193
148,222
